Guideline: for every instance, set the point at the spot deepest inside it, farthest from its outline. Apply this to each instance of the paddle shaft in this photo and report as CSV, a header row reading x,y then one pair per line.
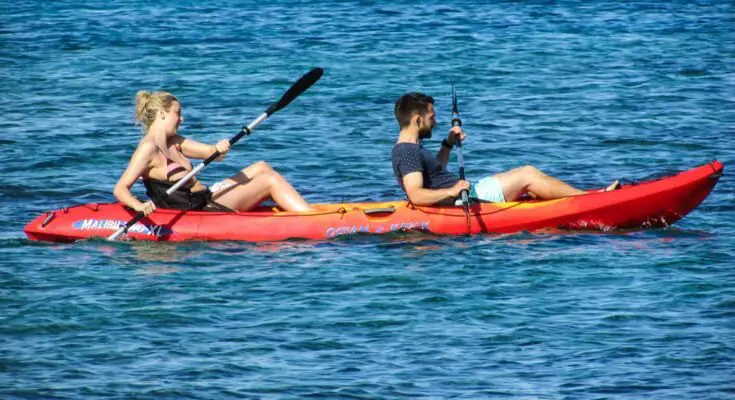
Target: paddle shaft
x,y
457,121
244,131
294,91
460,159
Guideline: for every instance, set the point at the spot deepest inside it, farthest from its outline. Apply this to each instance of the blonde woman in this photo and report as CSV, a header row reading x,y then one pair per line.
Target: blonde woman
x,y
162,158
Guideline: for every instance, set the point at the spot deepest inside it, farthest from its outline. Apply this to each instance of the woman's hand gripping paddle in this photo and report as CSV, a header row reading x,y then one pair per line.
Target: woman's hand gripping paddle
x,y
293,92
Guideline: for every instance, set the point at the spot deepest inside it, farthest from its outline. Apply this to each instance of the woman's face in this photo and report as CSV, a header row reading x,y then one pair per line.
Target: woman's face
x,y
172,118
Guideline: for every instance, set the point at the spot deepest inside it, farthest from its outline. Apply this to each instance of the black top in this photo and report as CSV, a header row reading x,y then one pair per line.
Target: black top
x,y
411,157
182,199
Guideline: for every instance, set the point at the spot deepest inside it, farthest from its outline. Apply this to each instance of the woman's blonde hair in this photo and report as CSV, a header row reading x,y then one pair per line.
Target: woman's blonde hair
x,y
147,106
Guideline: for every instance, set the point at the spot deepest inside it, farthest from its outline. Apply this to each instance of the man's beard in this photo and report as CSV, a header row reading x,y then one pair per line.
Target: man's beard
x,y
424,133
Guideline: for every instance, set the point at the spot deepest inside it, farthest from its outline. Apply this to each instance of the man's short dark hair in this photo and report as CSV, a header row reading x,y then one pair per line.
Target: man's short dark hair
x,y
411,104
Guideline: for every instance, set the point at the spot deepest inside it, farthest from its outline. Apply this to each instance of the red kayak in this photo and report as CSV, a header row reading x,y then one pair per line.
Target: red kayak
x,y
651,204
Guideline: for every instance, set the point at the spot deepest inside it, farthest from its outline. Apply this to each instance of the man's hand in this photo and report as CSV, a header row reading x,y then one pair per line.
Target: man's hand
x,y
458,187
455,134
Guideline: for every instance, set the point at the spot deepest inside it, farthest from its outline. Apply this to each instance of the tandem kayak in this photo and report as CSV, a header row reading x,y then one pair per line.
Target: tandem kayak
x,y
649,204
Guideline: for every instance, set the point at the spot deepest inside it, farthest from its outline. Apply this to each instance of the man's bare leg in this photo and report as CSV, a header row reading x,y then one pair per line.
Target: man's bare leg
x,y
529,179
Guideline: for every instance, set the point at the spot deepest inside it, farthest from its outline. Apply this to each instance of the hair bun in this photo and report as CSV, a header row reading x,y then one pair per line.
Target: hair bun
x,y
141,103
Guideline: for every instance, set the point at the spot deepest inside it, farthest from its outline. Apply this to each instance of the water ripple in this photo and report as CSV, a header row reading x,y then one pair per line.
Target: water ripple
x,y
587,91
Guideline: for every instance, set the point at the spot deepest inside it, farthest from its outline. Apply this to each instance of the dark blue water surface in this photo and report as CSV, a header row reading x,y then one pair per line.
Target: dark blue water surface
x,y
587,91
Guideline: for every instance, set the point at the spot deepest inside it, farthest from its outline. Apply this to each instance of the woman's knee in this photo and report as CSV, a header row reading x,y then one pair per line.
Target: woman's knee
x,y
258,168
273,179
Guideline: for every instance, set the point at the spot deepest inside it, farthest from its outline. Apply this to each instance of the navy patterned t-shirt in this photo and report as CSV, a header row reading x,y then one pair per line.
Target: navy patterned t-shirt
x,y
411,157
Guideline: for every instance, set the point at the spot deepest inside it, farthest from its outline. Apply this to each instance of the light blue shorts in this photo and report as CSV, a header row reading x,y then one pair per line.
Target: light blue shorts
x,y
486,190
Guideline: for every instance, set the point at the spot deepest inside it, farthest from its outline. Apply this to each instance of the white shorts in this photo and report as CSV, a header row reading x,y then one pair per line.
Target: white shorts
x,y
222,185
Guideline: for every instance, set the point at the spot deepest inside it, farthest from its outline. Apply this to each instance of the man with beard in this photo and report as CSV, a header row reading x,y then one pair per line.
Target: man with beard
x,y
426,181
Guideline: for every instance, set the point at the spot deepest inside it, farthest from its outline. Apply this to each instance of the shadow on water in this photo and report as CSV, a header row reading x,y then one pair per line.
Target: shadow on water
x,y
157,258
177,251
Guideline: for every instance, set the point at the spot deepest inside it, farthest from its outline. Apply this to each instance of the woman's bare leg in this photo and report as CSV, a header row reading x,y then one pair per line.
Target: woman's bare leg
x,y
256,183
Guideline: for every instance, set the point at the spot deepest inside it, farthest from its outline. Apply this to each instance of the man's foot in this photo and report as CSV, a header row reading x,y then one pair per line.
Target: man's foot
x,y
613,186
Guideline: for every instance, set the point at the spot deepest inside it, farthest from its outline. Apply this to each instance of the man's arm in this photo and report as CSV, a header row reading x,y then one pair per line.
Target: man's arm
x,y
455,134
418,195
443,156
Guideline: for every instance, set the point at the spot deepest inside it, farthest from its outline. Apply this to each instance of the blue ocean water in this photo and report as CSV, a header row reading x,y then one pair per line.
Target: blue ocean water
x,y
587,91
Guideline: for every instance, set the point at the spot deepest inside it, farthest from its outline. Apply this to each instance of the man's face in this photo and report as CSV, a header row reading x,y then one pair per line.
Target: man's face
x,y
427,123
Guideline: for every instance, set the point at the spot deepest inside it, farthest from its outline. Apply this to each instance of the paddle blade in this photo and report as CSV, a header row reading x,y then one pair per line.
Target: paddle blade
x,y
456,120
455,108
296,89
